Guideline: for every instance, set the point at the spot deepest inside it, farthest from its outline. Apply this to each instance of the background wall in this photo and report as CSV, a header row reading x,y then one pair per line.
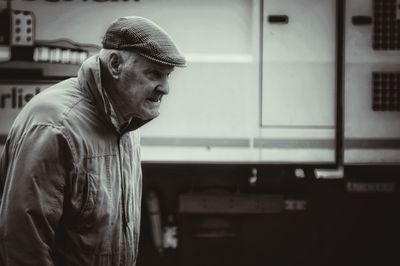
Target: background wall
x,y
211,113
253,91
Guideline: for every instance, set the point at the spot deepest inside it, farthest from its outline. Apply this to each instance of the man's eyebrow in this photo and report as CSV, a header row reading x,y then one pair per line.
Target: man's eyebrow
x,y
160,71
150,69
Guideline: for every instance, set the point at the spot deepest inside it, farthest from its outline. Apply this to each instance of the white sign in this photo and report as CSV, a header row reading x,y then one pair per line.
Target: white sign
x,y
13,98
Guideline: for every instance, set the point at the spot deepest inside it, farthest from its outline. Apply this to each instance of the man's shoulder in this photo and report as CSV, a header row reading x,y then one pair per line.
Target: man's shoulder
x,y
62,94
53,104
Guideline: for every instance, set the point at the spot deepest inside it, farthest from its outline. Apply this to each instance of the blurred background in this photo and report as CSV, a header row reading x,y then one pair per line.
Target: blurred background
x,y
279,143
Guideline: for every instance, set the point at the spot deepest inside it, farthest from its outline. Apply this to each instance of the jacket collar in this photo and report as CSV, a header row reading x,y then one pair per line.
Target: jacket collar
x,y
89,77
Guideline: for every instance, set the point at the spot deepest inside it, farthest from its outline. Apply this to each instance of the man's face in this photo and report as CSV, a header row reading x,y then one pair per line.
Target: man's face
x,y
140,88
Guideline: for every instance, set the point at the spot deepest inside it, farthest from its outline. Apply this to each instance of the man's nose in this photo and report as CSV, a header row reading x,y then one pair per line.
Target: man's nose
x,y
163,87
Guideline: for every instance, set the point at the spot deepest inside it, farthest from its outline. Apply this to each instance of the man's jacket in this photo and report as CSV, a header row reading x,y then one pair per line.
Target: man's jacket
x,y
70,179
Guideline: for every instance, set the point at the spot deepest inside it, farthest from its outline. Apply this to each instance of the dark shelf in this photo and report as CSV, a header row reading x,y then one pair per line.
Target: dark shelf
x,y
26,70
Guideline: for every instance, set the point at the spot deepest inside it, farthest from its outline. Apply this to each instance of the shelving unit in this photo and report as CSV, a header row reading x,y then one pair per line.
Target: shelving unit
x,y
26,70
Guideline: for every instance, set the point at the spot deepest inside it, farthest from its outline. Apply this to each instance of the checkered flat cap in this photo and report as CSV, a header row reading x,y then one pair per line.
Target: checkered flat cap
x,y
145,38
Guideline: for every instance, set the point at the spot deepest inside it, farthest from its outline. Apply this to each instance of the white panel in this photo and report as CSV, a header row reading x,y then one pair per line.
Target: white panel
x,y
298,94
360,120
299,64
376,129
208,100
299,82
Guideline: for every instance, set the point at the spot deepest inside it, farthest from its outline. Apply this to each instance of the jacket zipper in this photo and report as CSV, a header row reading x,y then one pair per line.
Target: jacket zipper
x,y
123,196
123,185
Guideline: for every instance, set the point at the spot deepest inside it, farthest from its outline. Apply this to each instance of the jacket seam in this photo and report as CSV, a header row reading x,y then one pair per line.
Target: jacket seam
x,y
94,156
68,109
60,128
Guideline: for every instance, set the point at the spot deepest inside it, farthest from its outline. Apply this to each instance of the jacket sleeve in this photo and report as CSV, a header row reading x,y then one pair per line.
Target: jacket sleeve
x,y
38,169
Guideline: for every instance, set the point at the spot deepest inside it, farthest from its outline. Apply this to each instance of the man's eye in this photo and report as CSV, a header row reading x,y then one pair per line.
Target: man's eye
x,y
154,75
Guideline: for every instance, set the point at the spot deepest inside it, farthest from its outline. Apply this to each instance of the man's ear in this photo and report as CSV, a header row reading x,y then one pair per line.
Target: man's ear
x,y
115,65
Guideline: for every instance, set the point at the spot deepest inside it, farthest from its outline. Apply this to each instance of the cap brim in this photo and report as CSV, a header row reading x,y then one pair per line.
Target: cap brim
x,y
182,62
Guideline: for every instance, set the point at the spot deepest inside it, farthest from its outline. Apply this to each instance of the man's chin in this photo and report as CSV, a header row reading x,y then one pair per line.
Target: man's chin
x,y
149,116
154,116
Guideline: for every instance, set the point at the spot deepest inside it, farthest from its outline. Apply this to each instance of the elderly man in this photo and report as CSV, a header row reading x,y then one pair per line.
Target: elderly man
x,y
70,174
